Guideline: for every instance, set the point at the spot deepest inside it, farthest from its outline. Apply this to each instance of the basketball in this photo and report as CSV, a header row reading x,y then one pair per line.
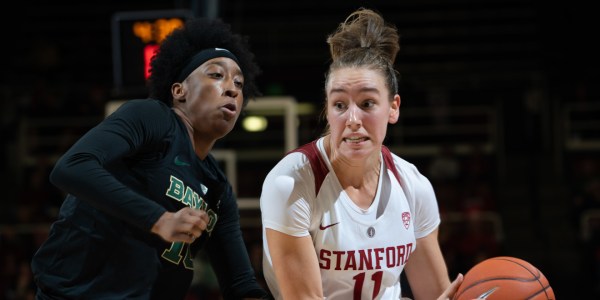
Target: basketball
x,y
504,277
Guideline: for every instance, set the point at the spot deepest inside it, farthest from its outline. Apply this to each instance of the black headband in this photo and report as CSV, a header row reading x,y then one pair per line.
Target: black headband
x,y
200,58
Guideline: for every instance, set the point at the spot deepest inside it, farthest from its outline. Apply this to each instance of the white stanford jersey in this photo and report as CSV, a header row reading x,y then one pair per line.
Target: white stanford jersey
x,y
361,253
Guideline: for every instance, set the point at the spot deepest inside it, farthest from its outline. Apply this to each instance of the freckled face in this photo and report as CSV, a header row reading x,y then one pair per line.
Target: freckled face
x,y
358,111
211,97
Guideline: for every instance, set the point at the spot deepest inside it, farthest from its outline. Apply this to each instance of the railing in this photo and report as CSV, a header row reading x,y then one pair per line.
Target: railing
x,y
50,136
460,126
417,133
421,132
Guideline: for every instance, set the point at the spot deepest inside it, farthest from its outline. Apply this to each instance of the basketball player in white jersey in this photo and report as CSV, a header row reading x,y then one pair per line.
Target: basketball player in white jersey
x,y
342,216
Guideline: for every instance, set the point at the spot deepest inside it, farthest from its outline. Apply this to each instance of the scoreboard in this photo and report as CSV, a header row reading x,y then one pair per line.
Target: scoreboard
x,y
136,36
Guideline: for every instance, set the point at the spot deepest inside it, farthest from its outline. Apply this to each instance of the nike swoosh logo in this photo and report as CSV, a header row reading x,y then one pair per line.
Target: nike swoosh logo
x,y
487,293
179,162
325,227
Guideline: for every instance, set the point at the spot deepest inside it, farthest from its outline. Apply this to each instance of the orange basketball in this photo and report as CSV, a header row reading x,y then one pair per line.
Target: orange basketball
x,y
504,277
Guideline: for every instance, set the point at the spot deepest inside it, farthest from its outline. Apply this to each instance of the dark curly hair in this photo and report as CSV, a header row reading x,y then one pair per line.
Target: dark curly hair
x,y
183,43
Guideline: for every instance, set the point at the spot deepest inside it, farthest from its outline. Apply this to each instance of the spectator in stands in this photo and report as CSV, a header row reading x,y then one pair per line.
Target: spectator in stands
x,y
144,193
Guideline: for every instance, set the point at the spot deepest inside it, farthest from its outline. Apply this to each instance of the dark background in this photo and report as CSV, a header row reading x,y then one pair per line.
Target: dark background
x,y
530,66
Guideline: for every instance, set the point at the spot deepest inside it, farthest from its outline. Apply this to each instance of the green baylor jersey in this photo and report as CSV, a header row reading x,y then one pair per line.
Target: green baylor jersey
x,y
121,177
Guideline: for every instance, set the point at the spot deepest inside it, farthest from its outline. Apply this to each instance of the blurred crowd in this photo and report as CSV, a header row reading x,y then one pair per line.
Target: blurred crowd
x,y
466,185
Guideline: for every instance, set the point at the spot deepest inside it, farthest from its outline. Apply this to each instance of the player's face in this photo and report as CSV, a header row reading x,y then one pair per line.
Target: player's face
x,y
211,98
358,111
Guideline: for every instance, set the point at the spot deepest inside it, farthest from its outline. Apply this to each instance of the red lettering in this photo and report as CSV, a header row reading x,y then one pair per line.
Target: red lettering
x,y
324,259
390,254
378,257
401,255
350,261
368,259
365,259
338,255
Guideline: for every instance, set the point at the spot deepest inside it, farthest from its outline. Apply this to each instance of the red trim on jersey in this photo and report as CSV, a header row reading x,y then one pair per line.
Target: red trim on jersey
x,y
320,169
317,164
389,161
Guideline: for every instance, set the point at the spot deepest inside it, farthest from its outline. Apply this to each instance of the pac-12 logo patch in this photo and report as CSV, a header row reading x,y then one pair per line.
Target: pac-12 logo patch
x,y
406,219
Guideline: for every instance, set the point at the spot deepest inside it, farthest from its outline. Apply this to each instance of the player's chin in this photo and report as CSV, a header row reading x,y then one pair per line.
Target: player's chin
x,y
223,128
358,149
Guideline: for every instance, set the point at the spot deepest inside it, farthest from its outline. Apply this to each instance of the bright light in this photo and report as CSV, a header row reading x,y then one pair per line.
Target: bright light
x,y
255,123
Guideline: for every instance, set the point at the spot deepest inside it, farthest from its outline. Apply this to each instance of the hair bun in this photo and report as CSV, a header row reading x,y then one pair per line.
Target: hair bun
x,y
363,31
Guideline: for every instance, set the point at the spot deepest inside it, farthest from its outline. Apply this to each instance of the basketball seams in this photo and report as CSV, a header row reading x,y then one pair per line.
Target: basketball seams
x,y
476,283
543,290
537,276
503,278
507,269
522,264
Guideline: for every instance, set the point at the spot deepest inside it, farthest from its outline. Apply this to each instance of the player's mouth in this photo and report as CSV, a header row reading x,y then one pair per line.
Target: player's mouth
x,y
355,140
229,110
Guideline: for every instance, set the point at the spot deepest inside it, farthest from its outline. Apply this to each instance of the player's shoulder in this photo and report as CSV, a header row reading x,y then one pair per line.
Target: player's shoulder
x,y
148,117
143,107
291,163
295,165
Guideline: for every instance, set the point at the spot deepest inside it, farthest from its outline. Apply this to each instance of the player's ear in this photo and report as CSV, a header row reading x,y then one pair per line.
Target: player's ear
x,y
178,92
394,109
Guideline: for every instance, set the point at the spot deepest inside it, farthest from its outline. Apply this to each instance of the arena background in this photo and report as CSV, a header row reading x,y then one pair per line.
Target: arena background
x,y
500,110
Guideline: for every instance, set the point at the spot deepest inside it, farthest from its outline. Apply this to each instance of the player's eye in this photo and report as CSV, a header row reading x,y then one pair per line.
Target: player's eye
x,y
368,104
339,105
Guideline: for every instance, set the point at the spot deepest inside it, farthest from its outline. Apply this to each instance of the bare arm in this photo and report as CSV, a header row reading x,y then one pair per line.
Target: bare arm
x,y
426,269
296,266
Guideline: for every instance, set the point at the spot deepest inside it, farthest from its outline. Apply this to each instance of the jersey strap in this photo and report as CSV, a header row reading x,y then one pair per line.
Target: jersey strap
x,y
389,162
320,169
317,164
